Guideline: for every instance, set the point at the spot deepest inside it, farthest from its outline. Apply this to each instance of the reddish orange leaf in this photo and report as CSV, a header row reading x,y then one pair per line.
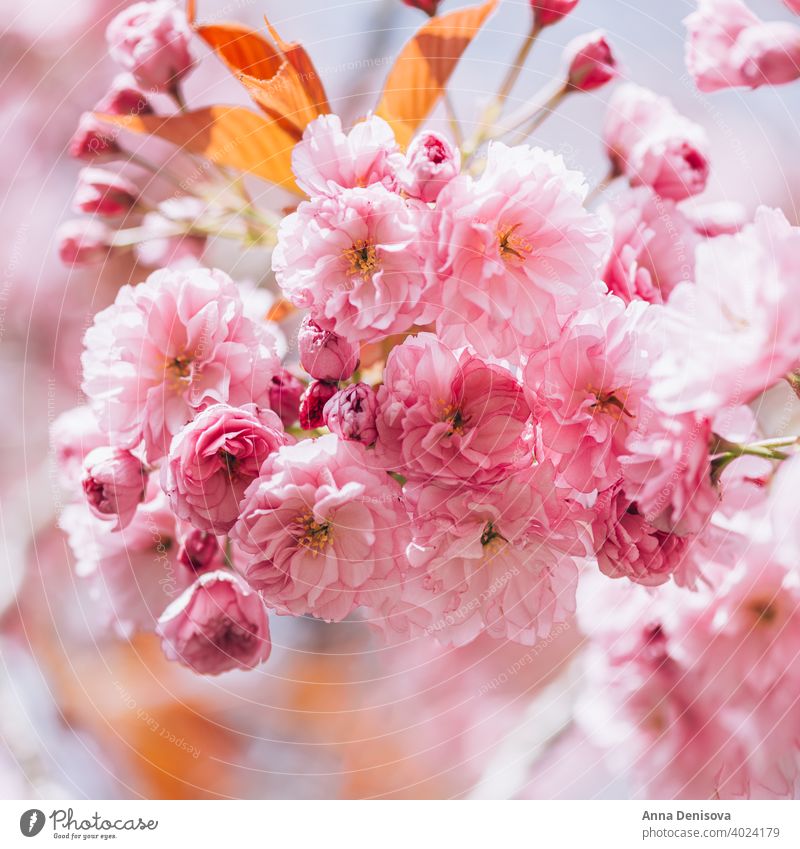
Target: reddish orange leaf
x,y
242,49
421,72
226,135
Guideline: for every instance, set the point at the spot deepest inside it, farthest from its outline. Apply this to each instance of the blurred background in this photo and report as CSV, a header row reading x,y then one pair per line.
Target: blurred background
x,y
333,714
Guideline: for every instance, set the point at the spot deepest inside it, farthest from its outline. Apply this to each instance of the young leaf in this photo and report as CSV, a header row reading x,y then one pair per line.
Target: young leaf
x,y
421,72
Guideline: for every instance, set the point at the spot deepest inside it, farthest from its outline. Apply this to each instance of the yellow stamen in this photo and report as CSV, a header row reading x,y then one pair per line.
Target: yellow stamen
x,y
316,536
513,248
362,258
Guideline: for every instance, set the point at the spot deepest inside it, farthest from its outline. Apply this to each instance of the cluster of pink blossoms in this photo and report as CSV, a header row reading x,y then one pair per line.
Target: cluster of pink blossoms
x,y
500,390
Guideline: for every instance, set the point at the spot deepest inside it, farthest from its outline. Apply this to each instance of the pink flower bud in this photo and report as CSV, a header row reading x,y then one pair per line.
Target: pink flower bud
x,y
351,414
324,354
590,62
217,624
151,40
102,192
768,54
794,5
431,162
114,483
83,241
93,141
284,396
200,551
430,7
549,12
312,404
124,98
72,436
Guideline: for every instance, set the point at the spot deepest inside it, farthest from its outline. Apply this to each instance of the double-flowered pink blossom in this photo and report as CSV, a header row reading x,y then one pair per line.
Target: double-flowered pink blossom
x,y
351,414
501,561
585,391
357,261
285,392
735,331
200,551
517,253
312,403
151,40
728,46
215,458
327,159
216,625
167,349
653,145
325,355
448,415
322,530
431,162
114,484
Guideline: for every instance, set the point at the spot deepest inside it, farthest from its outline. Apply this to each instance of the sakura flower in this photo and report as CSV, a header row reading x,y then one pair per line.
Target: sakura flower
x,y
124,98
218,624
83,241
102,192
729,46
667,470
94,141
357,261
431,162
590,62
167,349
327,159
72,436
323,354
517,252
114,484
449,415
200,551
312,404
133,573
653,249
735,332
585,392
501,561
653,145
214,459
549,12
351,414
322,531
151,41
284,396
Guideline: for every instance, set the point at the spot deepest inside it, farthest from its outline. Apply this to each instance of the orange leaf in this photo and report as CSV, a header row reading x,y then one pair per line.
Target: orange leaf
x,y
421,72
226,135
242,49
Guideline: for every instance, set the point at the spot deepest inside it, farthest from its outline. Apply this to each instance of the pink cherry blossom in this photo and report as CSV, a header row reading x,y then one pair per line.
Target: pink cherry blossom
x,y
653,249
167,349
590,61
200,551
585,392
102,192
114,484
501,562
214,459
323,531
351,414
517,252
357,261
72,436
323,354
735,332
83,241
94,141
151,40
431,162
327,159
549,12
124,97
449,415
653,145
312,403
218,624
284,396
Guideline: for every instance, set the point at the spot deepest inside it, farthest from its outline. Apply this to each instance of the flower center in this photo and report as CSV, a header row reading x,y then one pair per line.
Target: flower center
x,y
314,535
608,402
453,414
512,247
764,610
491,539
178,371
229,460
362,258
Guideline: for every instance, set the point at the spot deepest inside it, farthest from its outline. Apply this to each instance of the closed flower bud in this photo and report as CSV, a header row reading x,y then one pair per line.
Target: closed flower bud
x,y
114,484
284,396
83,241
93,141
200,551
216,625
431,162
768,54
151,41
430,7
124,98
590,62
794,5
102,192
549,12
324,354
312,404
351,414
